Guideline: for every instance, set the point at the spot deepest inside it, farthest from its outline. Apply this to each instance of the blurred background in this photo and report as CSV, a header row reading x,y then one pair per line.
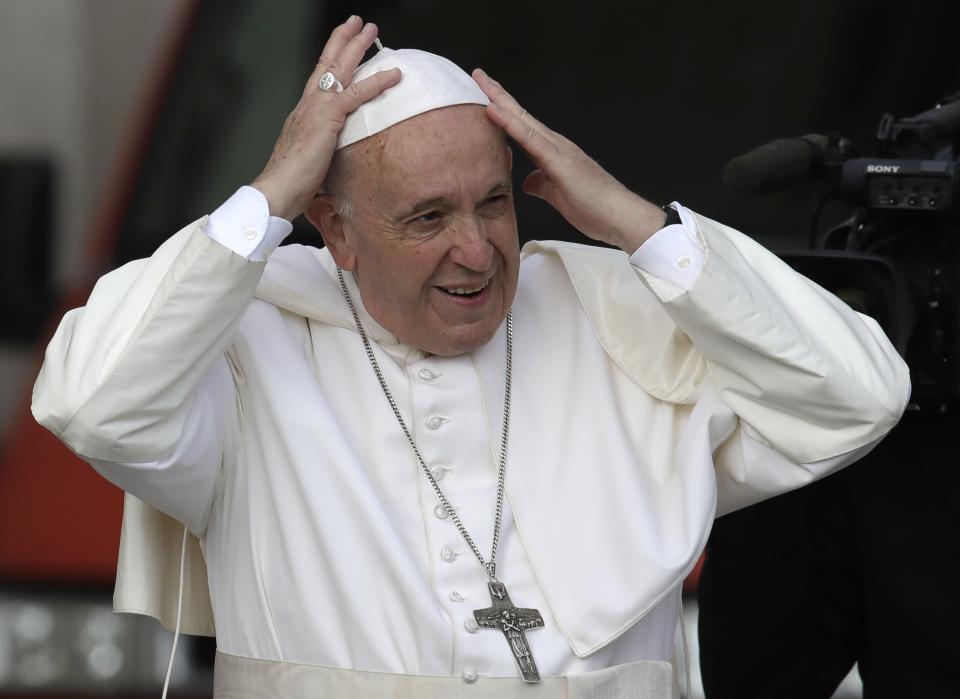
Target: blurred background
x,y
123,120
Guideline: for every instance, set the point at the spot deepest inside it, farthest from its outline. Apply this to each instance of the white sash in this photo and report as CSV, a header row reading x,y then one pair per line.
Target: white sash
x,y
248,678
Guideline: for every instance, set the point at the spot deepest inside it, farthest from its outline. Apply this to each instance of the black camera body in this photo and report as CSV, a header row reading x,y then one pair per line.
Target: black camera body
x,y
914,186
897,259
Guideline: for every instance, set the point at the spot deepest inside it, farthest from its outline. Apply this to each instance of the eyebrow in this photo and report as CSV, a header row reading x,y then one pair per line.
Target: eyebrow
x,y
500,188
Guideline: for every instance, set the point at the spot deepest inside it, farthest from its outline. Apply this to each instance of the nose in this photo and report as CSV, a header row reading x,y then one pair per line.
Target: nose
x,y
471,247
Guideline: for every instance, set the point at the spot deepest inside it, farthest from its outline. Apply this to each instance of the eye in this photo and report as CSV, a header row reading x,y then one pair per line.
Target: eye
x,y
429,222
495,199
495,205
429,217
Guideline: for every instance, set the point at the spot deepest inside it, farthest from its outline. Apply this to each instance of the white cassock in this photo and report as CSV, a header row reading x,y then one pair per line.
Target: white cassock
x,y
235,396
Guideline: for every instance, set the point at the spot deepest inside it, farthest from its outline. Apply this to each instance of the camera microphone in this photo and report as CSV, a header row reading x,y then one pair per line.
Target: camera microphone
x,y
776,165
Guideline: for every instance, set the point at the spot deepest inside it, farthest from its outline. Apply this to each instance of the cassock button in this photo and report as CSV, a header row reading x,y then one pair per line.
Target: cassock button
x,y
428,375
434,421
456,597
440,512
448,554
683,262
437,472
250,234
469,675
471,626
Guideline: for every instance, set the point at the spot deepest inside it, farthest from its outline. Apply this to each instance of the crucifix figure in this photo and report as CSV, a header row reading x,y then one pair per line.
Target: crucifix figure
x,y
513,621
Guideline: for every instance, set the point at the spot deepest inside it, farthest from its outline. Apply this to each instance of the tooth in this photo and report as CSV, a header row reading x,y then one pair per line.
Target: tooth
x,y
460,291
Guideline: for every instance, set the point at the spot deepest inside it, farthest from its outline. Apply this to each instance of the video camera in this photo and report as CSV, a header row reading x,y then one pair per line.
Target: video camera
x,y
897,258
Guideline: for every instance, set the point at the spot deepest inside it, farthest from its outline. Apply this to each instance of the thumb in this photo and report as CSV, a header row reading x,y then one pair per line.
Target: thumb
x,y
539,185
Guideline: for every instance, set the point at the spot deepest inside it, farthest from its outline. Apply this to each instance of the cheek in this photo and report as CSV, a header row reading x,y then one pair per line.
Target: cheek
x,y
375,255
504,237
401,275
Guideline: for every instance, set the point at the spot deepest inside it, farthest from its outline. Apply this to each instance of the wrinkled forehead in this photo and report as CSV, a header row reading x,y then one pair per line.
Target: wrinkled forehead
x,y
447,144
441,132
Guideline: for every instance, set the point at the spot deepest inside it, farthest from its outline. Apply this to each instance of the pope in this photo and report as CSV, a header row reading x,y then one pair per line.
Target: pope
x,y
419,461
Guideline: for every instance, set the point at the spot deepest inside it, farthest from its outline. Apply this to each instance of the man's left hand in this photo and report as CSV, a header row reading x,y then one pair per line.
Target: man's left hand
x,y
589,197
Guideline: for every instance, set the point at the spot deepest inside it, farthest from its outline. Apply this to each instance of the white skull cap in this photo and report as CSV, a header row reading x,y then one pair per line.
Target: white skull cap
x,y
428,82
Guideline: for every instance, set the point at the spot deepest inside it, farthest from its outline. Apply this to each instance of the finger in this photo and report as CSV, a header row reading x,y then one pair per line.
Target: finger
x,y
497,94
353,52
334,46
539,185
339,38
525,132
503,99
368,88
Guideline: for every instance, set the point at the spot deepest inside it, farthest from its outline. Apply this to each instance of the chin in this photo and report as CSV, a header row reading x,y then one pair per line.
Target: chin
x,y
453,349
457,344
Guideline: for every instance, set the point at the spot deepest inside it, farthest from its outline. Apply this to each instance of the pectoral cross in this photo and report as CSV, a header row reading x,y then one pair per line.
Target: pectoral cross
x,y
513,621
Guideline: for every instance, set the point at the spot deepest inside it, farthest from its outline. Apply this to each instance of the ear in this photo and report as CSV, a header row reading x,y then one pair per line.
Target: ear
x,y
324,216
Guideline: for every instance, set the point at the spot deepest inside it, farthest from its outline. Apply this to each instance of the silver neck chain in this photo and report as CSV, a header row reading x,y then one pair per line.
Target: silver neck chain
x,y
491,565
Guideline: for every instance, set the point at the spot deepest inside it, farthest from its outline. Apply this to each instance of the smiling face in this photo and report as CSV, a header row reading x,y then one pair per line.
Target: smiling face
x,y
432,236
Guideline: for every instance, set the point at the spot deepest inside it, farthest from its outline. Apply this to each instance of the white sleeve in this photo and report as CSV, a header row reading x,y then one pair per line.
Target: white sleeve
x,y
243,223
138,382
673,253
749,470
184,483
805,375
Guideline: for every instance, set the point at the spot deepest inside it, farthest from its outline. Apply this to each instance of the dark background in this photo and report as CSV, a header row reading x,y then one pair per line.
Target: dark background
x,y
663,95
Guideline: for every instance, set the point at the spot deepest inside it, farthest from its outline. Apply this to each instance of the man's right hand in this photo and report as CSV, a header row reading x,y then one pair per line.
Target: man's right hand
x,y
301,157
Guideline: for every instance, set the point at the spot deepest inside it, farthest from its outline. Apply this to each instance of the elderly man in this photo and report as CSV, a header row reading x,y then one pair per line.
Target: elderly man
x,y
420,462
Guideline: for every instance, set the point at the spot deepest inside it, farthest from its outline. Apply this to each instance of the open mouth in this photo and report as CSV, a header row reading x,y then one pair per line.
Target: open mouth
x,y
464,291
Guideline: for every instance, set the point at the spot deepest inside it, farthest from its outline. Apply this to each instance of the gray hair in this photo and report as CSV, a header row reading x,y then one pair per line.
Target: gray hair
x,y
341,169
344,207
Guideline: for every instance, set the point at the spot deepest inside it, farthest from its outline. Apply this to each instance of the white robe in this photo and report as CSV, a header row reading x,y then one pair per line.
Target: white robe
x,y
245,408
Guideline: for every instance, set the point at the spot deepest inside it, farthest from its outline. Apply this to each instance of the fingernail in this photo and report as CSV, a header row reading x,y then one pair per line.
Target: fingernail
x,y
350,19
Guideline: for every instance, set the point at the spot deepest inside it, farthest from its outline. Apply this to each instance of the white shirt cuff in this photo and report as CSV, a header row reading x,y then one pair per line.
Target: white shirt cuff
x,y
673,254
243,223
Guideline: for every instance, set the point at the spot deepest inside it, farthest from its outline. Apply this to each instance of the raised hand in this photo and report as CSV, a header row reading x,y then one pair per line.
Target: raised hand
x,y
301,157
591,199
